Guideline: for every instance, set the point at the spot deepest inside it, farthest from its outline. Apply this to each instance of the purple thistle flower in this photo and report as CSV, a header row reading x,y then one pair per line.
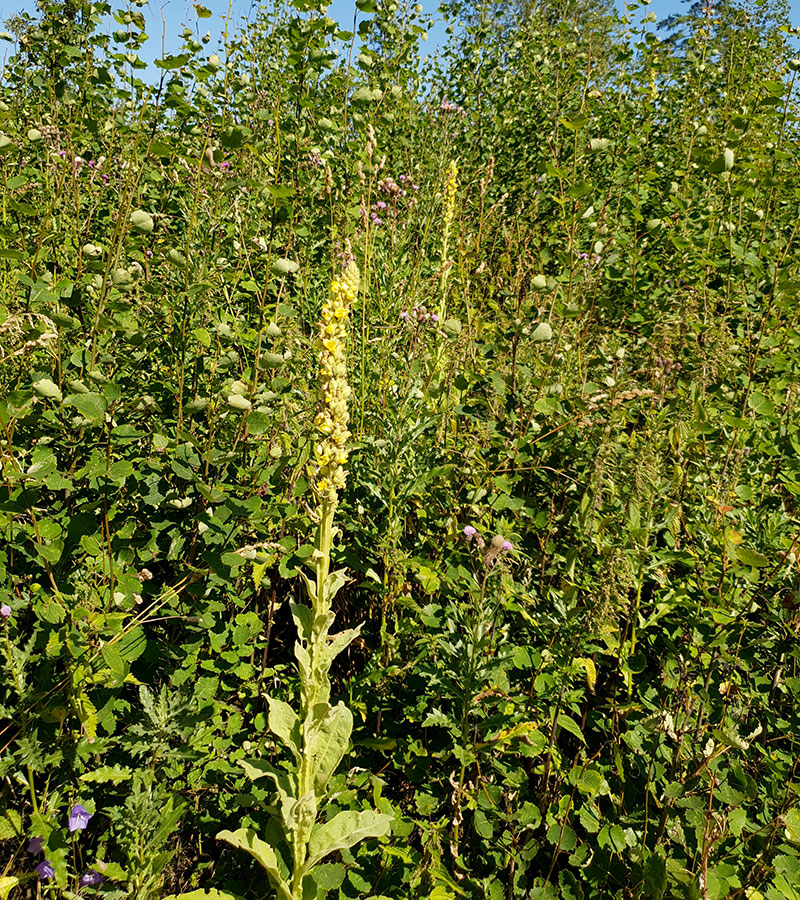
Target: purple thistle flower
x,y
45,870
5,611
35,846
434,317
469,531
90,877
507,545
78,818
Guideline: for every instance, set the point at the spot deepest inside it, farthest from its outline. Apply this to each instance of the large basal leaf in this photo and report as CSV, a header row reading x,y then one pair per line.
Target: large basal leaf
x,y
328,741
246,839
343,831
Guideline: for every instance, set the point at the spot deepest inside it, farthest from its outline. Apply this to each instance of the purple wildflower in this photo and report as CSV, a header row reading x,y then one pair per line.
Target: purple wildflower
x,y
403,313
507,545
469,531
78,818
45,870
381,204
5,611
35,846
90,877
434,317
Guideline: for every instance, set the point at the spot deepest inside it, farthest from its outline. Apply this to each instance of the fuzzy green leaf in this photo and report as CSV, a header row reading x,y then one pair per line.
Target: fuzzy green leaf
x,y
335,581
342,640
284,723
328,742
212,894
246,839
302,615
343,831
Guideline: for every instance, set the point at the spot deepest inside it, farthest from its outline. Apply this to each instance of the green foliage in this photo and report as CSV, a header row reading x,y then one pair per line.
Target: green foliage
x,y
596,359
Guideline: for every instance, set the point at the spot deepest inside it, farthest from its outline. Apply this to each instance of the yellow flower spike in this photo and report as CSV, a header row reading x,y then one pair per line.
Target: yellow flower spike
x,y
333,417
450,189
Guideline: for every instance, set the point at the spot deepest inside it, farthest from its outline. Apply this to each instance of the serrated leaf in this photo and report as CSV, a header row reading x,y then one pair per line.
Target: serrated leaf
x,y
115,774
10,824
87,713
172,62
90,406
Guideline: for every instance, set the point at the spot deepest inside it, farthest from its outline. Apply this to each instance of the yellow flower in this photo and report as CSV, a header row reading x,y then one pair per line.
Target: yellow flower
x,y
333,417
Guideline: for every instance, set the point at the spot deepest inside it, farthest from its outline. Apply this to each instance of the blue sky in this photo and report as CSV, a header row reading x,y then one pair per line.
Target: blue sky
x,y
177,13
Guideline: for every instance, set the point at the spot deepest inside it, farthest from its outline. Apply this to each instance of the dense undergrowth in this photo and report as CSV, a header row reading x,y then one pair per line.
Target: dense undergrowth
x,y
570,524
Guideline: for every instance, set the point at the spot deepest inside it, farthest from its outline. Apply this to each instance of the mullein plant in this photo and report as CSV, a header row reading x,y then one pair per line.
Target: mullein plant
x,y
317,733
450,188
